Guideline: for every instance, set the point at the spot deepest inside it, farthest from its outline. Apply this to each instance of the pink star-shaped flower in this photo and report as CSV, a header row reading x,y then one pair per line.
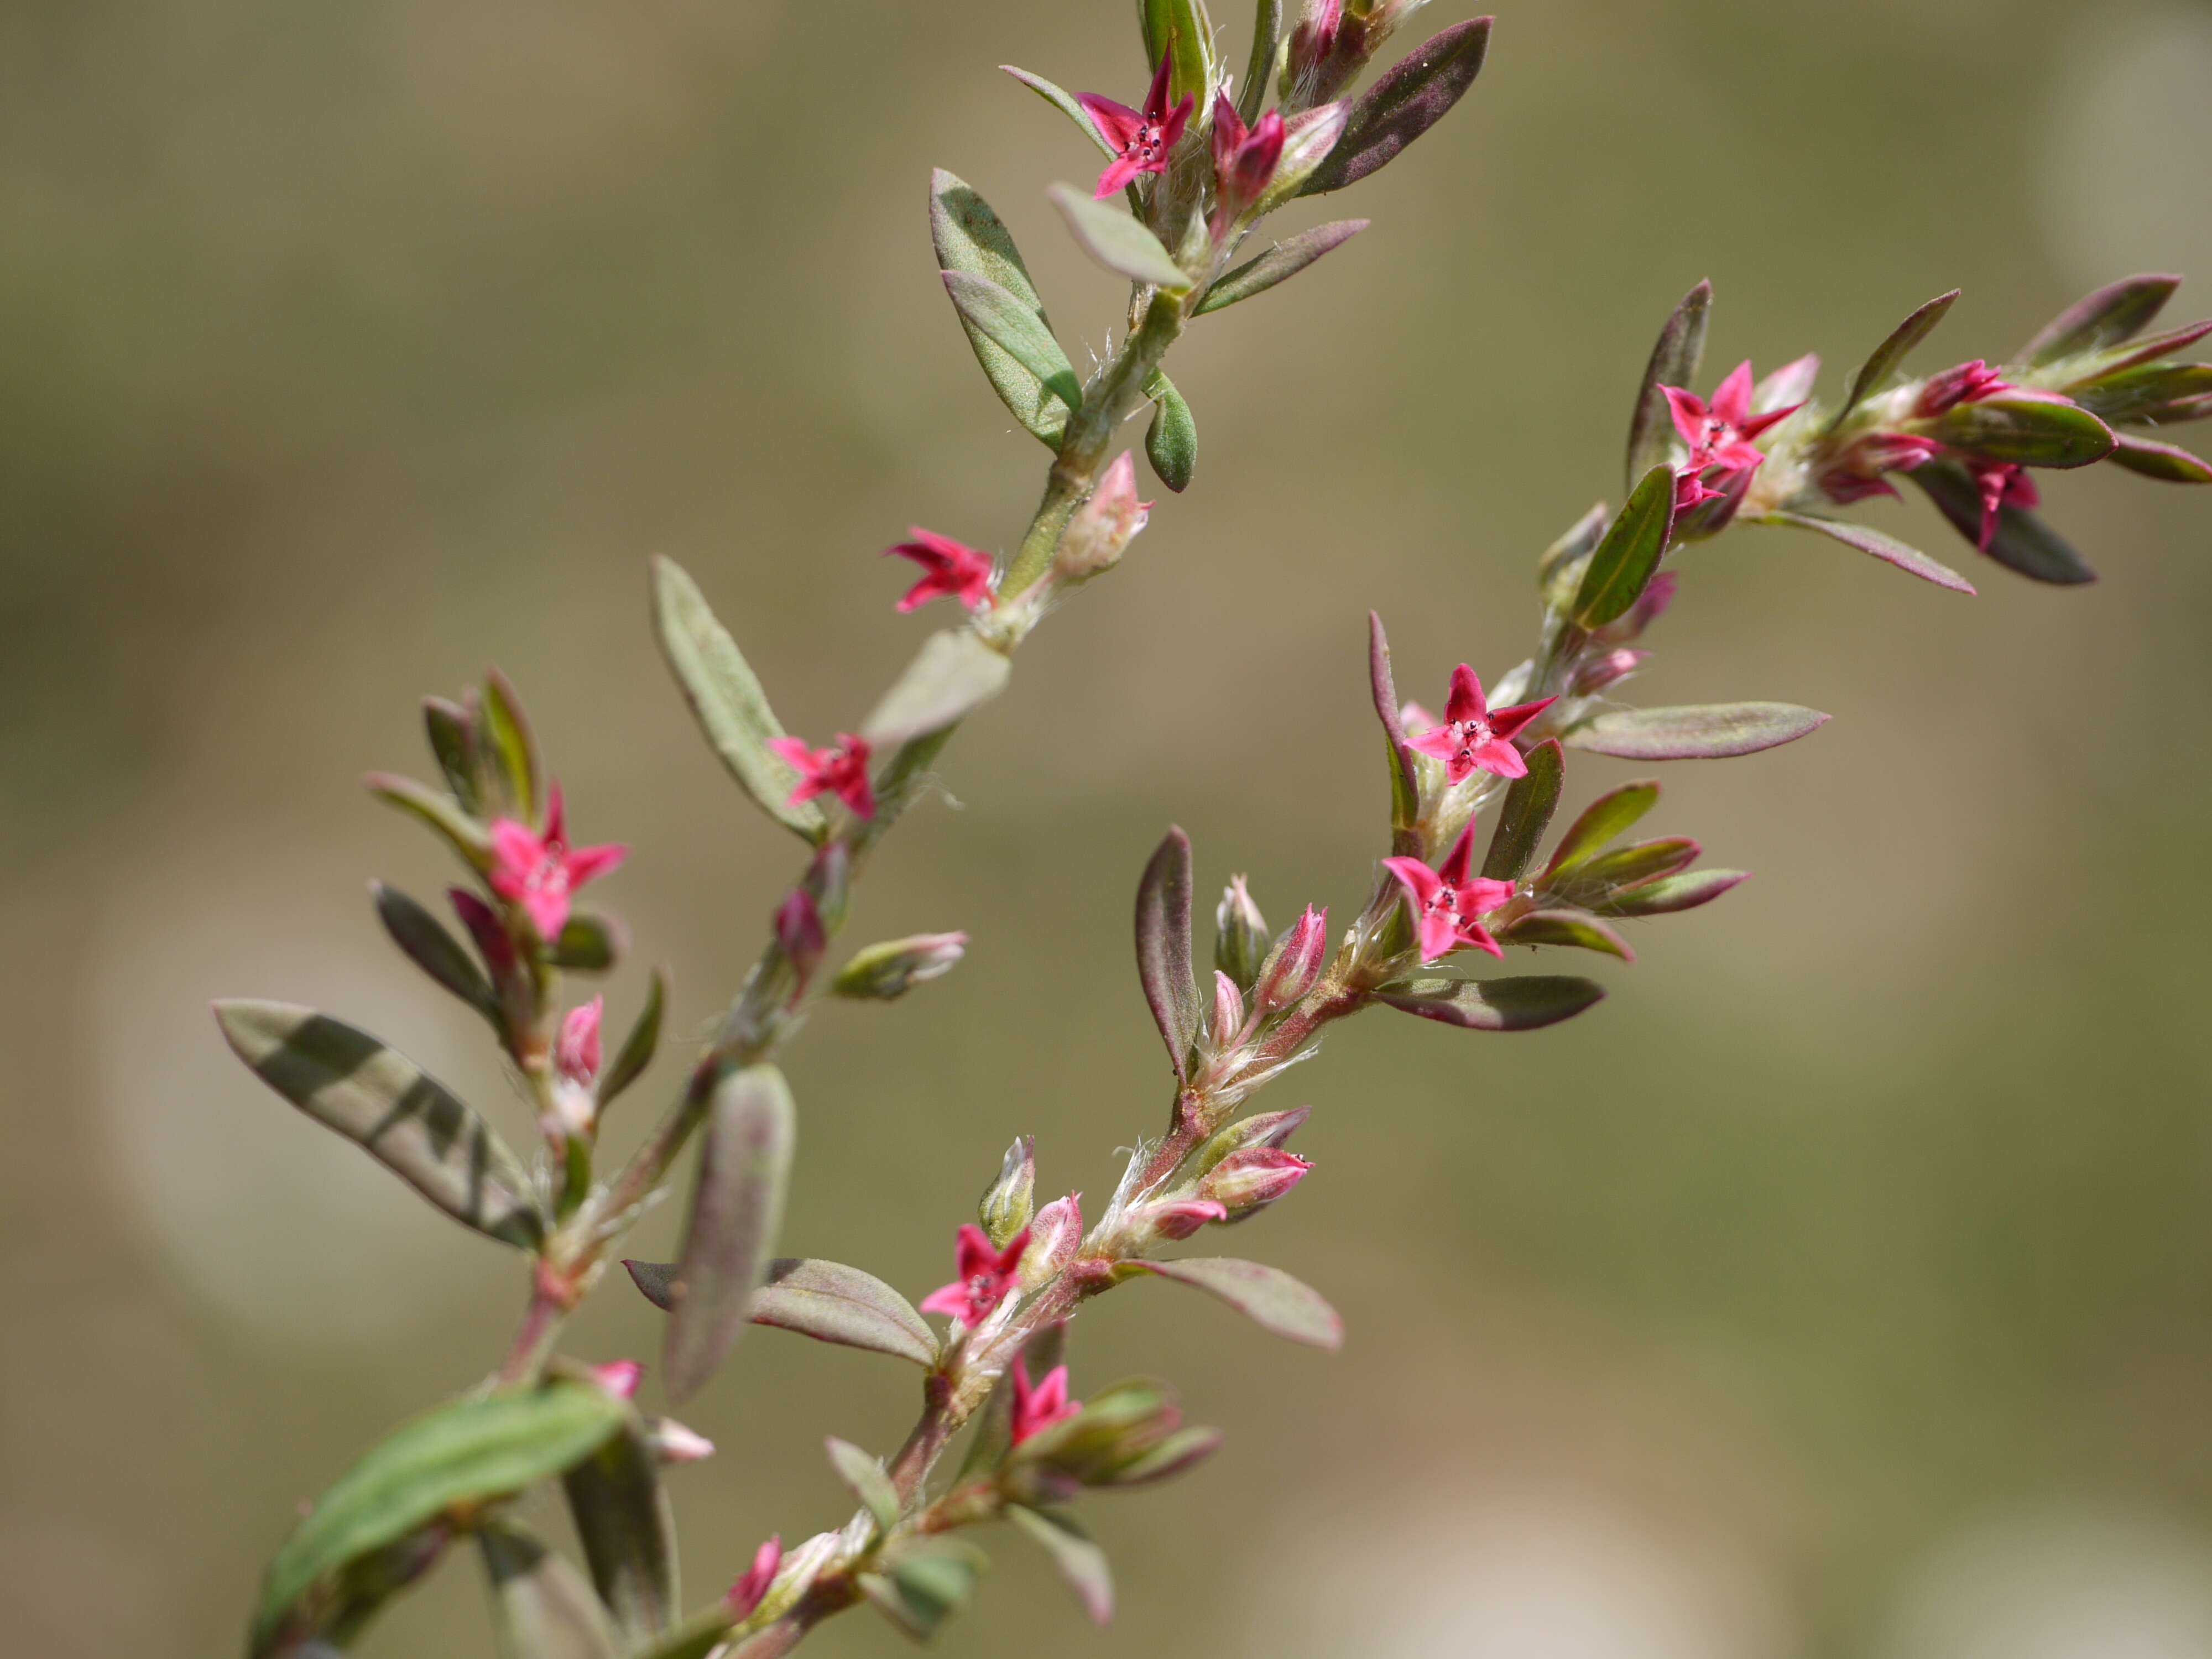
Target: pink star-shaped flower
x,y
947,568
1143,137
1445,902
842,770
2003,483
538,872
1473,737
987,1276
1038,1406
1722,457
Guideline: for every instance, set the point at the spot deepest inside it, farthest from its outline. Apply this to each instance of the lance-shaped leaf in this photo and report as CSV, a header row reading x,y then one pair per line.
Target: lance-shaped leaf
x,y
1604,821
1622,565
1867,539
2169,462
1700,732
825,1300
1597,879
1671,893
458,1456
466,837
1065,104
512,747
1183,27
1574,928
589,943
1284,260
1309,140
1163,946
925,1587
1267,35
637,1049
1525,1003
1171,440
435,951
1405,787
969,237
1674,362
1082,1563
953,672
622,1521
726,699
2026,430
736,1208
2104,319
2149,395
1016,328
1414,95
1267,1296
545,1608
1117,241
411,1123
453,733
867,1480
1526,814
1875,374
2022,542
1560,571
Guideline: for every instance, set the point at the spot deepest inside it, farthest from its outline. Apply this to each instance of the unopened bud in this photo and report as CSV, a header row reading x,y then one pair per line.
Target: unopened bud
x,y
1605,669
1103,526
1240,934
1246,1183
892,969
1009,1202
1332,43
674,1443
1294,967
798,930
1179,1217
745,1594
1228,1009
576,1054
1261,1129
619,1377
1054,1235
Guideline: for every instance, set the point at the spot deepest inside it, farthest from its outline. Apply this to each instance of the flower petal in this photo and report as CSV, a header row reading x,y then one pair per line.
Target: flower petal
x,y
1465,702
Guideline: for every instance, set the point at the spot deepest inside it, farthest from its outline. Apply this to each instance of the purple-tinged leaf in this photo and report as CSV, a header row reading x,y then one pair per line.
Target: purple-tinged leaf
x,y
1527,813
2027,431
1882,546
1083,1566
542,1604
969,237
1412,96
637,1050
622,1520
1309,138
348,1081
2148,396
1701,732
1267,1296
1671,893
1604,820
2022,542
1629,554
1674,362
1164,947
1285,259
1573,927
1875,374
1066,104
1405,789
435,951
2167,461
2147,351
1523,1003
2111,316
736,1207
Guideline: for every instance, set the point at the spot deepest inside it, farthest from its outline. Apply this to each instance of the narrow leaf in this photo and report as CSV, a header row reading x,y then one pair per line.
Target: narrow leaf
x,y
953,674
470,839
1415,94
1309,138
1526,814
969,237
1065,104
1163,946
512,747
832,1303
545,1609
2167,461
736,1207
1706,731
2022,542
1171,440
923,1590
1560,571
589,943
1591,882
1405,787
1671,893
1266,34
1284,260
2097,321
1523,1004
1267,1296
1633,545
324,1621
637,1049
726,699
1604,821
2026,430
1573,927
1867,539
867,1480
407,1120
452,731
1673,363
622,1520
1182,28
435,951
1875,374
1117,241
2145,395
1017,329
1178,1452
1083,1566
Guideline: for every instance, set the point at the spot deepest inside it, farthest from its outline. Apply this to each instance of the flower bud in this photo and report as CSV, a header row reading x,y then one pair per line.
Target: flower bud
x,y
1334,41
1009,1202
1228,1009
576,1054
1246,1183
1109,1437
798,930
745,1594
1244,159
1103,526
1240,935
1261,1129
619,1377
1054,1235
1608,668
1178,1218
1294,967
891,969
674,1443
1965,383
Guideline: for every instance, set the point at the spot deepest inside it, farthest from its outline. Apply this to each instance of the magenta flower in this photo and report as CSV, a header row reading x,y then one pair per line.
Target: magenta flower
x,y
987,1276
1474,737
1178,1218
1244,159
619,1377
538,872
948,568
745,1594
1445,902
2003,483
1722,457
841,771
1038,1406
1141,137
576,1054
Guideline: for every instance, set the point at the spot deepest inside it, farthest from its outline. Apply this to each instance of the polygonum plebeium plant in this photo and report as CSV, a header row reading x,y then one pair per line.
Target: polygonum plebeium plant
x,y
1474,778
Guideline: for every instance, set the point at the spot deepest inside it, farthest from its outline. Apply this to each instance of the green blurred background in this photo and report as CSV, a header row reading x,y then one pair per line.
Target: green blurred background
x,y
1843,1285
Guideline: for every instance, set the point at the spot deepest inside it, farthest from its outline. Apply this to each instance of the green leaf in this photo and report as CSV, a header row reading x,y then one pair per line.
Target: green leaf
x,y
1704,732
1527,813
1267,1296
622,1521
545,1608
1171,1457
637,1049
1875,374
1405,783
435,951
1163,946
926,1586
1083,1566
1527,1003
969,237
953,673
1674,362
1560,570
1604,821
2022,542
864,1475
325,1620
726,699
1266,34
1182,27
589,943
1867,539
451,730
1590,884
1284,260
2145,395
459,1455
512,747
467,837
1573,927
1671,893
737,1204
1171,440
1117,241
1630,552
2098,321
1415,94
1066,104
2168,462
1017,329
2025,430
832,1303
407,1120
